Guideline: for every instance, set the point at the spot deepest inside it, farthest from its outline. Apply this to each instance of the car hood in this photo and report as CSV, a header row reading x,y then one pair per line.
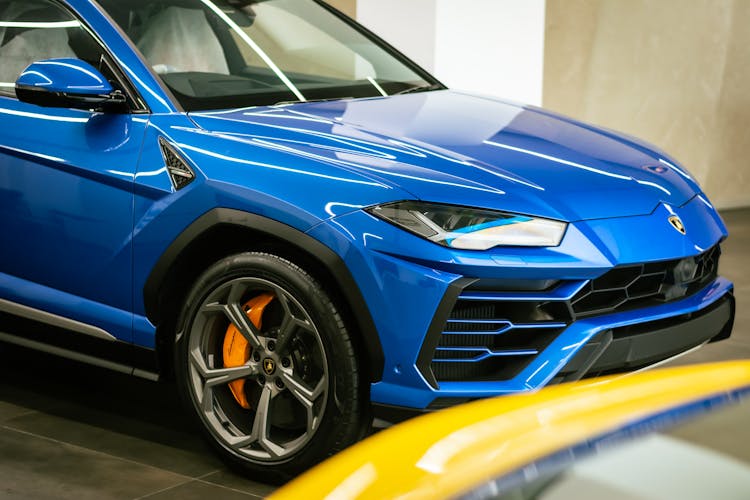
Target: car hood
x,y
451,147
458,451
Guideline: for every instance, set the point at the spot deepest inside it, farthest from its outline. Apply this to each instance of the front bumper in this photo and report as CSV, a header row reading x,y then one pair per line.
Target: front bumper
x,y
595,346
643,344
411,298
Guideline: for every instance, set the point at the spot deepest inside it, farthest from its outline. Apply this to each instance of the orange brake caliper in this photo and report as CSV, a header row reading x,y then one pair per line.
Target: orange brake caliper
x,y
237,350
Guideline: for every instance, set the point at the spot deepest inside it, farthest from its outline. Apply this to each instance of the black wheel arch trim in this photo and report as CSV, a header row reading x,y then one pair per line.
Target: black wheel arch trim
x,y
295,238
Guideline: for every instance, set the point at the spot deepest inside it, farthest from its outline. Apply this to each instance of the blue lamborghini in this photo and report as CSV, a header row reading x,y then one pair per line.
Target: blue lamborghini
x,y
266,203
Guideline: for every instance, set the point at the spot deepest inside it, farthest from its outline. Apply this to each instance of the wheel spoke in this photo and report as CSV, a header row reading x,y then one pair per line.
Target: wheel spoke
x,y
236,290
226,375
217,376
286,331
300,391
261,424
289,323
213,377
239,319
235,313
306,397
240,441
214,307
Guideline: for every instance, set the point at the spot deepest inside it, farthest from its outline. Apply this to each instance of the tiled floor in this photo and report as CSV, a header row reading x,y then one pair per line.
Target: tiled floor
x,y
74,431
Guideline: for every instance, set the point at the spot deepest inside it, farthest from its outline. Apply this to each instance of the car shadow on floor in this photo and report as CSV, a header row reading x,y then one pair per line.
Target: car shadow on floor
x,y
108,413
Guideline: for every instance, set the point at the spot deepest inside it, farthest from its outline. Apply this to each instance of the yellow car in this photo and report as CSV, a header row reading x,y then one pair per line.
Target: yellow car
x,y
657,434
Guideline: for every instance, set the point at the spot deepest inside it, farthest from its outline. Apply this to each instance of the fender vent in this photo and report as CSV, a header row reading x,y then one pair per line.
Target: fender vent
x,y
179,172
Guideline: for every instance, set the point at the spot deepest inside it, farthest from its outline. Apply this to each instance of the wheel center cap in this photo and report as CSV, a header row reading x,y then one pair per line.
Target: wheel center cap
x,y
269,366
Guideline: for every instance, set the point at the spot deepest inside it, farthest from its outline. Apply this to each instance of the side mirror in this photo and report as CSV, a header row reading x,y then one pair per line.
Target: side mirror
x,y
68,83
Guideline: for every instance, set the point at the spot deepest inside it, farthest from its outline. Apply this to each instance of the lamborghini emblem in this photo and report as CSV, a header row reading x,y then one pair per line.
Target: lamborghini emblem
x,y
269,366
677,224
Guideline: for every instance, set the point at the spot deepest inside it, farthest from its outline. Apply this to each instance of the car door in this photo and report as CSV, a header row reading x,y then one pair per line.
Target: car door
x,y
66,189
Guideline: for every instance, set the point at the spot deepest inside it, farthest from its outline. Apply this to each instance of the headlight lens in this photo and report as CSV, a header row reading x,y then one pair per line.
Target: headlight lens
x,y
471,228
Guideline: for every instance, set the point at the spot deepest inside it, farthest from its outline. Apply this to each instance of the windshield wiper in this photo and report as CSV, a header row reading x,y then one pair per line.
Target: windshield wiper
x,y
418,88
421,88
284,103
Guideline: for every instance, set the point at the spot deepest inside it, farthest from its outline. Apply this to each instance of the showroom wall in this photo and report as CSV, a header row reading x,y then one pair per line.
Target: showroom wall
x,y
469,45
674,72
349,7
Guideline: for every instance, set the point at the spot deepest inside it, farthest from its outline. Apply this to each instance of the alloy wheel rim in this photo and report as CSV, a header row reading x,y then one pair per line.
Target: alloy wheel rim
x,y
287,373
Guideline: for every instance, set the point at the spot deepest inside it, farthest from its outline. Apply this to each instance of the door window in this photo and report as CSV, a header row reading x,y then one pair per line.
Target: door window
x,y
34,30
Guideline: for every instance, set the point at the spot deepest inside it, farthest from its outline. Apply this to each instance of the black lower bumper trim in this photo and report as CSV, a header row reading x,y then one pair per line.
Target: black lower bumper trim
x,y
640,345
396,414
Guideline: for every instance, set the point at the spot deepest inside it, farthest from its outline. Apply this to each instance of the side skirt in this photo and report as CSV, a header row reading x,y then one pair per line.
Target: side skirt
x,y
35,329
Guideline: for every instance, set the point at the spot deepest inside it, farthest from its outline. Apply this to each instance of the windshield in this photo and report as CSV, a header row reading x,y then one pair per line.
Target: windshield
x,y
696,460
221,54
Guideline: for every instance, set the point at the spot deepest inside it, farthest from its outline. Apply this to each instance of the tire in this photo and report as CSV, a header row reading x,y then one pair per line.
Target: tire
x,y
304,393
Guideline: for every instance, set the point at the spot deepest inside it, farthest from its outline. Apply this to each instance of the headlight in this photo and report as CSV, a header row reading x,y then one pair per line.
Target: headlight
x,y
471,228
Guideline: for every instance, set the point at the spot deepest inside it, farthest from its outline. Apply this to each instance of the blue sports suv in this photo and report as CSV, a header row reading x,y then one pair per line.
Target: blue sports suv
x,y
266,202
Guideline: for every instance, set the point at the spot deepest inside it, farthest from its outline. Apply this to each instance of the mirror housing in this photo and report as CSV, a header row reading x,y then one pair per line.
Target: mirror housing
x,y
68,83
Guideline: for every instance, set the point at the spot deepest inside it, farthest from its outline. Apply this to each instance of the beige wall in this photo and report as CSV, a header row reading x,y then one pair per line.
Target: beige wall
x,y
348,7
674,72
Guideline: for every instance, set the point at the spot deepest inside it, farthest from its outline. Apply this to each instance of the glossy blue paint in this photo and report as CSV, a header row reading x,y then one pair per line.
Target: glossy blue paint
x,y
87,207
454,148
67,75
66,205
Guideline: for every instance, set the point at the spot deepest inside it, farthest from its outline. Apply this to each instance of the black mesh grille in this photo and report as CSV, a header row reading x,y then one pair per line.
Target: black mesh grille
x,y
487,337
644,285
477,357
508,312
495,340
179,172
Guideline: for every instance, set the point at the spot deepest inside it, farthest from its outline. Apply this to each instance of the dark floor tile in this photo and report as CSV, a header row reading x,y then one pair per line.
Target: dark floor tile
x,y
238,482
9,411
147,444
33,467
102,410
44,382
199,490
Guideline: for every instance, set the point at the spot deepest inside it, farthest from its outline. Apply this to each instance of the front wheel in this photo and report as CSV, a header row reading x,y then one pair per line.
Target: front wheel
x,y
267,365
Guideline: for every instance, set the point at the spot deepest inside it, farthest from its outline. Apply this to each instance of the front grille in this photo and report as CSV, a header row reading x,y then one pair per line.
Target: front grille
x,y
499,355
493,336
643,285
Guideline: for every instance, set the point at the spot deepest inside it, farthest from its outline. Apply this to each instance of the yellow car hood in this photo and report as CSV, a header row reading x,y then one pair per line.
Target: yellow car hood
x,y
448,453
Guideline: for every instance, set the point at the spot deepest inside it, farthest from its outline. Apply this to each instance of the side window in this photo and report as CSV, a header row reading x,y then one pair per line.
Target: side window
x,y
33,30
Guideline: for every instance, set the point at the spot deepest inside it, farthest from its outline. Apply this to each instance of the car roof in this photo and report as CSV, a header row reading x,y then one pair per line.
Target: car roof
x,y
451,452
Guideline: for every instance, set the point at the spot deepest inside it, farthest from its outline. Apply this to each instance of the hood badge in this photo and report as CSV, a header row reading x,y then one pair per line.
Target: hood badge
x,y
659,169
677,224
